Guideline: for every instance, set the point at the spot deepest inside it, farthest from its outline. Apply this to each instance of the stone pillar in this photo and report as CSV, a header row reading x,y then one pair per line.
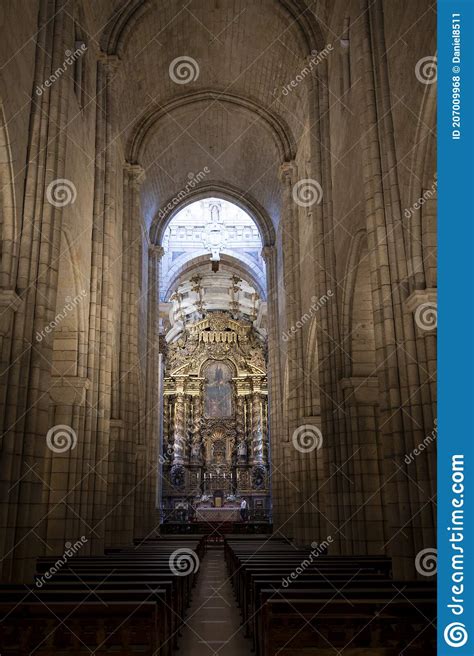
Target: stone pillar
x,y
102,313
25,414
148,446
275,401
64,465
127,408
405,402
290,468
421,307
331,485
9,304
365,529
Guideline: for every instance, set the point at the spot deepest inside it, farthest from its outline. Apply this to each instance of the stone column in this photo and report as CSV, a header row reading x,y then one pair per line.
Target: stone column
x,y
405,402
365,529
148,446
64,465
102,313
25,414
294,356
275,401
9,304
127,407
421,307
331,485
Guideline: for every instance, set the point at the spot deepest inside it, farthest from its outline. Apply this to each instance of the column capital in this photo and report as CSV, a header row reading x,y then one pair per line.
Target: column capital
x,y
110,62
420,296
9,300
422,303
288,171
268,252
360,390
69,390
156,250
9,304
135,172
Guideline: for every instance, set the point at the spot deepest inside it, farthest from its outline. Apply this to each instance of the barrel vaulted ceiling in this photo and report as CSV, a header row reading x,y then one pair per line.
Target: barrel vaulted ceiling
x,y
230,117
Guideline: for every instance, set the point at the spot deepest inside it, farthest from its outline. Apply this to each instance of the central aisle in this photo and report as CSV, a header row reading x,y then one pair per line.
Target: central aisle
x,y
213,621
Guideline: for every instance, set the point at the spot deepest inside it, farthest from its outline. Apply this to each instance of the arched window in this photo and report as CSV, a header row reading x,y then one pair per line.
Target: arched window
x,y
217,390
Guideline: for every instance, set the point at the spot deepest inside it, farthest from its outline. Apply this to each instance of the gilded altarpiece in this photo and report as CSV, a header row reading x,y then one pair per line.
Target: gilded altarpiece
x,y
215,421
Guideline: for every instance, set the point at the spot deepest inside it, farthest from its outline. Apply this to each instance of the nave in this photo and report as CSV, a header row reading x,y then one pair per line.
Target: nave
x,y
218,322
242,595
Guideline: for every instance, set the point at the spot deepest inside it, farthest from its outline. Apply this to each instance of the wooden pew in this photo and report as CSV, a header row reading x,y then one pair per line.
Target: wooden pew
x,y
122,580
79,629
285,603
349,592
309,625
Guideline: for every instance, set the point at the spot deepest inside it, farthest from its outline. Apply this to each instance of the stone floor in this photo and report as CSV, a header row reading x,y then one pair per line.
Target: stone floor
x,y
213,621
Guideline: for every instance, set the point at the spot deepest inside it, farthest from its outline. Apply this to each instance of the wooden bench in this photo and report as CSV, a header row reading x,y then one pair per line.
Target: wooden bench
x,y
293,603
80,629
126,579
320,623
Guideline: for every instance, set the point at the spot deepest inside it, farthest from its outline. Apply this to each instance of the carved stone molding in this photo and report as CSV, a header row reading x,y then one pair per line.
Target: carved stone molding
x,y
360,390
268,252
111,63
156,251
288,171
9,304
69,390
136,173
421,296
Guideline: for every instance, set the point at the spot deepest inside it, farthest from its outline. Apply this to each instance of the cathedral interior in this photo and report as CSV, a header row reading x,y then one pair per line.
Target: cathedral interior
x,y
218,327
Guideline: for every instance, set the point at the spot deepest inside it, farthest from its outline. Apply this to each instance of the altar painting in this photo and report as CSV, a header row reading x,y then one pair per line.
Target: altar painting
x,y
218,390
